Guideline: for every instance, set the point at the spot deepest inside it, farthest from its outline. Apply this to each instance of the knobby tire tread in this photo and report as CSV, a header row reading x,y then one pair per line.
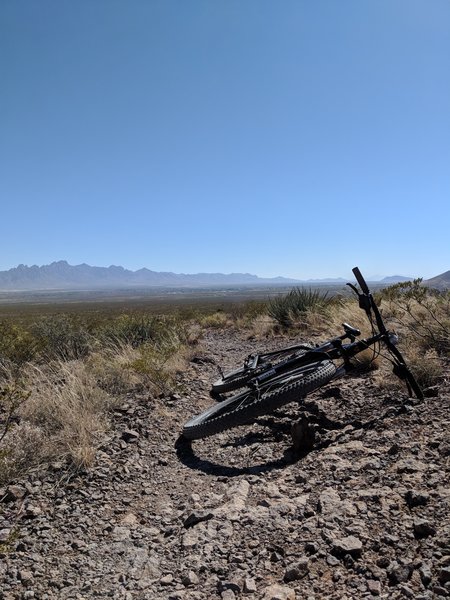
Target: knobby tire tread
x,y
206,424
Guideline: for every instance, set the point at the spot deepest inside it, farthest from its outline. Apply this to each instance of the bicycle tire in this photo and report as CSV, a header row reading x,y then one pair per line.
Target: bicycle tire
x,y
240,377
246,406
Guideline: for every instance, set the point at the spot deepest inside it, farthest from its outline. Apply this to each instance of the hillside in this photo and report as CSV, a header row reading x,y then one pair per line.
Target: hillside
x,y
364,514
441,281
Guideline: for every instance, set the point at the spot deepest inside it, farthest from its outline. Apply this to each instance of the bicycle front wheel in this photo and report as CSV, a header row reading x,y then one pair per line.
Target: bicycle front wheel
x,y
247,406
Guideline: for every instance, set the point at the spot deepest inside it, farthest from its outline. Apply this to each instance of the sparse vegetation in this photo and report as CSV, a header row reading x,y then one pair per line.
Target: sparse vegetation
x,y
291,310
421,311
60,375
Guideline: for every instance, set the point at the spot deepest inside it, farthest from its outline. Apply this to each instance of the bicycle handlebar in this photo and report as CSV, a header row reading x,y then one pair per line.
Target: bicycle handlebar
x,y
360,279
367,303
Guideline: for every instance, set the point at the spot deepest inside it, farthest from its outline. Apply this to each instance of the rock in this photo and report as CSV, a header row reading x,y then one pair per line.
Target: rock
x,y
250,586
349,545
383,562
230,585
406,591
399,573
130,436
425,574
311,548
414,498
129,519
189,579
423,528
332,561
14,492
121,534
444,575
26,577
197,517
278,592
150,521
297,570
374,587
32,512
4,534
440,591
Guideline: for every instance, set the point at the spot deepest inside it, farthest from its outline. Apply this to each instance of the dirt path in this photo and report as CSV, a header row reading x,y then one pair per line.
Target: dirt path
x,y
365,514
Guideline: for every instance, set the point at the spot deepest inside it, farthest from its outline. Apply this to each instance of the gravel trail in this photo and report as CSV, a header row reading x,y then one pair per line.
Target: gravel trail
x,y
364,514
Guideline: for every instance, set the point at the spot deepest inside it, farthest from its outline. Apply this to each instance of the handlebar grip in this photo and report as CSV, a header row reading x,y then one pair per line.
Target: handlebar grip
x,y
360,279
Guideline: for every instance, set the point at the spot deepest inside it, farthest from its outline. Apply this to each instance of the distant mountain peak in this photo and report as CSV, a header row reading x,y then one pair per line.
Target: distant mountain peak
x,y
441,281
60,275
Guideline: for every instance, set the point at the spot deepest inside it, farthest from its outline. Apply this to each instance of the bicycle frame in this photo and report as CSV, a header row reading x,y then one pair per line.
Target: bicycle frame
x,y
266,385
335,348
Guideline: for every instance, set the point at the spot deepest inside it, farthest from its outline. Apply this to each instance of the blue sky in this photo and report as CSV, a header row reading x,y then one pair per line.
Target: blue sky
x,y
296,138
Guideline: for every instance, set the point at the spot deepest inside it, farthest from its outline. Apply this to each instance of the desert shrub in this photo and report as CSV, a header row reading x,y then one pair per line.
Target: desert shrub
x,y
422,312
110,366
291,309
427,367
164,356
17,344
217,320
245,312
12,397
132,329
21,450
62,337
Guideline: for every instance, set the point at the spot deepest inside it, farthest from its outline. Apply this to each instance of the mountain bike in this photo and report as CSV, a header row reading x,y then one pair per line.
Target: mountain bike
x,y
268,381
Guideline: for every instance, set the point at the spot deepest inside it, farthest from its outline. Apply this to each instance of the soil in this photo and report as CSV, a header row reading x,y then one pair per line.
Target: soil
x,y
359,509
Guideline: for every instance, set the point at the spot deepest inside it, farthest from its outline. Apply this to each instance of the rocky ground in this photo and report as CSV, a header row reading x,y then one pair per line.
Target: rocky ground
x,y
364,514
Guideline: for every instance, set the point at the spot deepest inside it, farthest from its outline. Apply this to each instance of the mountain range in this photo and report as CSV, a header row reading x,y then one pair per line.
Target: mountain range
x,y
62,276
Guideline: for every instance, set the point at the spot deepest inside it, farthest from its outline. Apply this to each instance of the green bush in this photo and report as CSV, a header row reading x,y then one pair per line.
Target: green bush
x,y
133,329
424,312
17,345
157,360
63,337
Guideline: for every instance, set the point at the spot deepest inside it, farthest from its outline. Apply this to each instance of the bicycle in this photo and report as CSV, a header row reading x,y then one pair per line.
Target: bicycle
x,y
270,380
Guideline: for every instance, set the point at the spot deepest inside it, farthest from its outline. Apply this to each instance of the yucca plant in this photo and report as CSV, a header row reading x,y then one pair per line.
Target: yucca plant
x,y
290,309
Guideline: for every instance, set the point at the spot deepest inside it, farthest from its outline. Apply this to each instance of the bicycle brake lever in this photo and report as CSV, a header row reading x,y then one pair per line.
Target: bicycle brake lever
x,y
354,288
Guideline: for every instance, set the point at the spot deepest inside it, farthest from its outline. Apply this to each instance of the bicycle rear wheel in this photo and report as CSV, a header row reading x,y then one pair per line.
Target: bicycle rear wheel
x,y
250,404
240,377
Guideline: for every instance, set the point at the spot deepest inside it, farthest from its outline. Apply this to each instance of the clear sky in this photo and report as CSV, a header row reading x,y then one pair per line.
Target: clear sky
x,y
296,138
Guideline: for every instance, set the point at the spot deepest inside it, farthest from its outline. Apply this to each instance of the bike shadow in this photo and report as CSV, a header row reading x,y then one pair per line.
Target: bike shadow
x,y
274,432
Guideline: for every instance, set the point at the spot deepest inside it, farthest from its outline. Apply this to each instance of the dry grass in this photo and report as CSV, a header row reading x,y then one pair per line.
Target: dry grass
x,y
218,320
111,368
63,416
23,448
70,409
261,327
72,393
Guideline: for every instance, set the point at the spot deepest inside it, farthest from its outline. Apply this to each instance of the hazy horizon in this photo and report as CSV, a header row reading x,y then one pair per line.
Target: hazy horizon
x,y
294,139
372,277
